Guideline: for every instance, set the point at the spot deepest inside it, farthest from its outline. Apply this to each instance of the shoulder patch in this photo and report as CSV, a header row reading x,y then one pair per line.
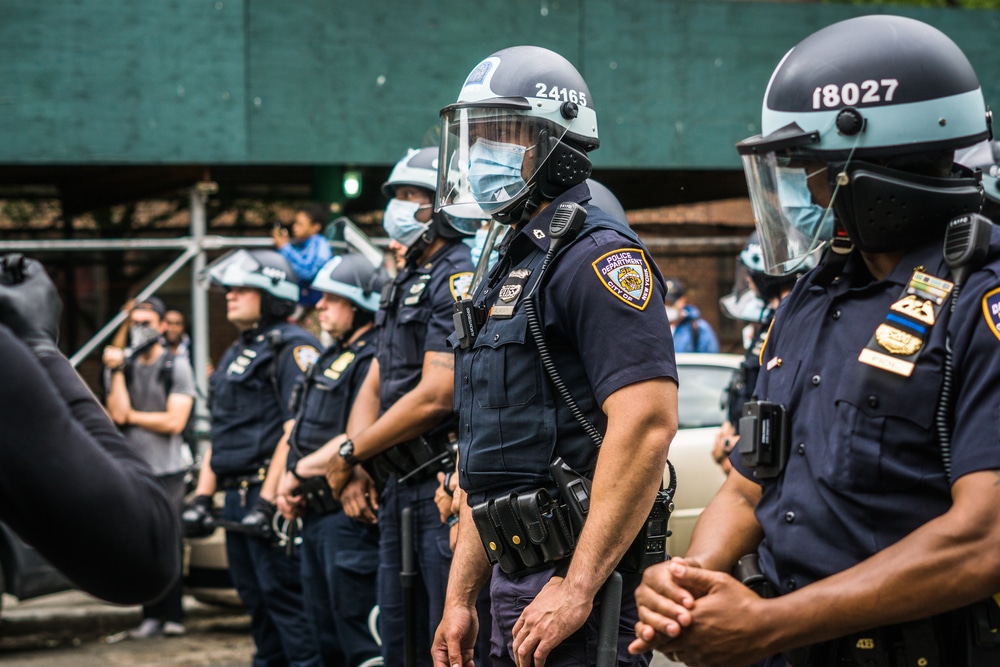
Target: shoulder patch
x,y
991,310
626,274
459,284
305,356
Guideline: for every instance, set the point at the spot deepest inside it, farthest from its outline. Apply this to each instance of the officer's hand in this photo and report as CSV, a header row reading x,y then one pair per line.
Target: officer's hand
x,y
728,626
444,496
197,520
31,308
259,519
338,474
664,605
554,614
725,441
455,638
360,498
289,502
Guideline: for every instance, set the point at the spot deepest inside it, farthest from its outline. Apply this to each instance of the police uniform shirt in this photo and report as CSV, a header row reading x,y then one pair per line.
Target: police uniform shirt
x,y
249,407
604,324
865,466
328,394
418,318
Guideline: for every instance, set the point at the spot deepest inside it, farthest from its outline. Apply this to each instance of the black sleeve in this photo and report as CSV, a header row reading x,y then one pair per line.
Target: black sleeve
x,y
71,487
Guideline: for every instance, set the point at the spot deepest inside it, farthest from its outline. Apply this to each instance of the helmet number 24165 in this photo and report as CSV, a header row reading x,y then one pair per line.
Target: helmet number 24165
x,y
849,94
557,93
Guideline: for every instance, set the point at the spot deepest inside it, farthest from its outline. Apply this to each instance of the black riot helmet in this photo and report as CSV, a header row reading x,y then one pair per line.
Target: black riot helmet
x,y
265,270
519,133
868,110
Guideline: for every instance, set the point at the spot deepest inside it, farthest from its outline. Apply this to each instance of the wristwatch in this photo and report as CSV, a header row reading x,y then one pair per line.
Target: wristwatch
x,y
347,453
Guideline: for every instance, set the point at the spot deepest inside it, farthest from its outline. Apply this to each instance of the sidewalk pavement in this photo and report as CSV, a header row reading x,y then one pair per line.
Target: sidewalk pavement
x,y
80,613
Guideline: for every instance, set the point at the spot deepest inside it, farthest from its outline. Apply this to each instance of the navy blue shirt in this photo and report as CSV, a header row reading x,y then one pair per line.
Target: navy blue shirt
x,y
865,467
328,393
601,309
250,395
416,317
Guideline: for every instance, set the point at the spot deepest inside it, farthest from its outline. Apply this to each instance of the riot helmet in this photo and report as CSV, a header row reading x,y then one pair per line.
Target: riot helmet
x,y
354,278
264,270
858,124
519,133
407,222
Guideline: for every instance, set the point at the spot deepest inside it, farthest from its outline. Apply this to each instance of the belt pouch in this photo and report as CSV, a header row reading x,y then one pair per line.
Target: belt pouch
x,y
318,495
505,513
539,514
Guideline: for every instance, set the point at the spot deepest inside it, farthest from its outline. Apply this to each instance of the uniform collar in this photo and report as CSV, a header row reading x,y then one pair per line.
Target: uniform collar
x,y
537,229
927,257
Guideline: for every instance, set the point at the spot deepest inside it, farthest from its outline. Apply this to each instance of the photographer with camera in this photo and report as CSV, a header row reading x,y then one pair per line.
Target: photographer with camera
x,y
65,468
150,393
339,556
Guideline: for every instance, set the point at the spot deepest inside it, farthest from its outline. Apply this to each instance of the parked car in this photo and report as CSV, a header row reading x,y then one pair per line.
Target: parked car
x,y
703,381
23,572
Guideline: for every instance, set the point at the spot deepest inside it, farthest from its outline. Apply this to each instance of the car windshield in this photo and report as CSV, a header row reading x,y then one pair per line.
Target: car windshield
x,y
701,394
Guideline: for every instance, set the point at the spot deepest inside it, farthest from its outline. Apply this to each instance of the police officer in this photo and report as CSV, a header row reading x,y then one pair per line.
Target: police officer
x,y
522,127
339,555
250,392
766,291
875,519
405,423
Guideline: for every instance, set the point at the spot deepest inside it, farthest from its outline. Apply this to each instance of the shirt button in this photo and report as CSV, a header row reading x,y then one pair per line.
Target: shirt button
x,y
789,517
791,585
873,401
815,380
468,429
496,337
465,379
802,449
836,314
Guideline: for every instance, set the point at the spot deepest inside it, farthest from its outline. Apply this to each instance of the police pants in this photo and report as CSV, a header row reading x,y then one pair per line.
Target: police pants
x,y
432,558
339,565
510,595
170,607
268,582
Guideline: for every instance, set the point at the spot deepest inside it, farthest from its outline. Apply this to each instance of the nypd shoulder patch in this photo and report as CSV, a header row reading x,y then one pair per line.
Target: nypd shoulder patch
x,y
459,284
626,274
305,356
991,310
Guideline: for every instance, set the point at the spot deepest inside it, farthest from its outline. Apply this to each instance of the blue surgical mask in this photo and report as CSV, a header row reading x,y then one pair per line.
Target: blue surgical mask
x,y
811,220
399,221
495,173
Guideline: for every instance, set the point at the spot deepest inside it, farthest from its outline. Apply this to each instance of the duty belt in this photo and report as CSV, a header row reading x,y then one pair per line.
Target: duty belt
x,y
413,461
230,482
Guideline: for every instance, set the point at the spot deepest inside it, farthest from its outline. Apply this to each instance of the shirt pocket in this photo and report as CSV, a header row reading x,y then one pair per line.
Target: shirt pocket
x,y
510,370
887,432
410,334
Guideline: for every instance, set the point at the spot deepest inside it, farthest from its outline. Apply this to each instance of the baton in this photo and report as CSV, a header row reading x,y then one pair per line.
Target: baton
x,y
607,629
406,576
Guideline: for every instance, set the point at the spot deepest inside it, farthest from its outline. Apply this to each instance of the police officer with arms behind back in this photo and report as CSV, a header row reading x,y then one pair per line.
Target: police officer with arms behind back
x,y
402,423
588,308
866,477
339,555
250,392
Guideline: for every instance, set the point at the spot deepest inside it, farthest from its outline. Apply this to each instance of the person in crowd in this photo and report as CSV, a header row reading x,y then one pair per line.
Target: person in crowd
x,y
402,422
865,482
251,389
150,395
175,335
690,331
565,376
339,555
306,249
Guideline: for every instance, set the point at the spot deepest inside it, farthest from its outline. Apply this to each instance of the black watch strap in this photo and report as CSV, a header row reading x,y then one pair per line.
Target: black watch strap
x,y
347,453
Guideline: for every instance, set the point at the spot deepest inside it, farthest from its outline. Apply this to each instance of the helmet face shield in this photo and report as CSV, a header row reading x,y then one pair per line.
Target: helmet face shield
x,y
790,195
491,156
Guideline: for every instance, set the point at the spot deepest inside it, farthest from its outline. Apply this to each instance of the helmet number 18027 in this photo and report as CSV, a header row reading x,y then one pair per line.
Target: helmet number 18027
x,y
849,94
557,93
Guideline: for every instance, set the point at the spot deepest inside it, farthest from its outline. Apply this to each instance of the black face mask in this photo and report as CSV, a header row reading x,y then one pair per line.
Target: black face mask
x,y
141,337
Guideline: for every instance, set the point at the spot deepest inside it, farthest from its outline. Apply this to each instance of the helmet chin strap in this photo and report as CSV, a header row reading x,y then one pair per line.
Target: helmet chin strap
x,y
418,247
